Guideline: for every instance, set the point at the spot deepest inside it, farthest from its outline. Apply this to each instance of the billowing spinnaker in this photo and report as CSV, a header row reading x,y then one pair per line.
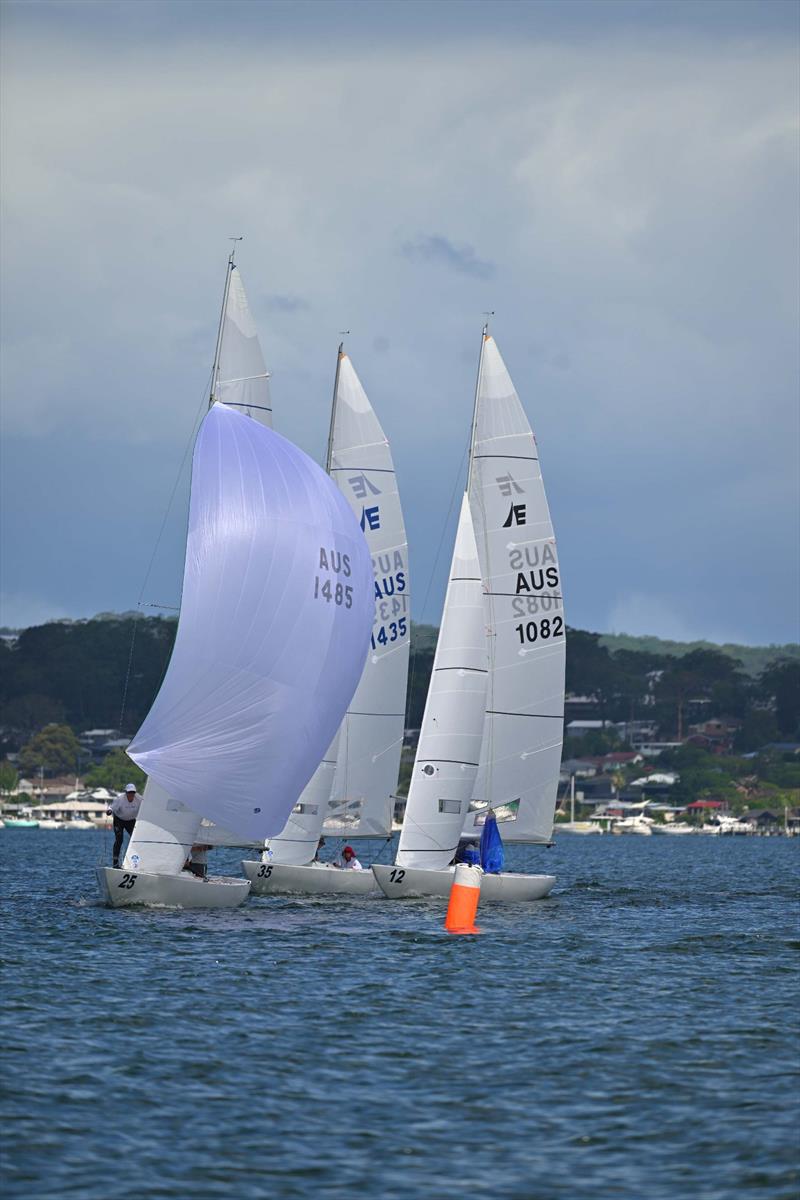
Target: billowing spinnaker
x,y
276,613
523,730
242,379
371,737
450,738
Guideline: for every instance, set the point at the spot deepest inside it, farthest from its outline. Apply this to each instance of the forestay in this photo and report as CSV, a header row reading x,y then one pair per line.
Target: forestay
x,y
371,737
450,736
275,621
241,379
523,729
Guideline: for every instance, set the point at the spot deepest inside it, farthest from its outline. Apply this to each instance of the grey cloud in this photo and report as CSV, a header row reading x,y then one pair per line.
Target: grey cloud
x,y
286,304
438,249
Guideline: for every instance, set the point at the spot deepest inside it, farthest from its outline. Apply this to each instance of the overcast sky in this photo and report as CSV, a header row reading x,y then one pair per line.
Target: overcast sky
x,y
618,181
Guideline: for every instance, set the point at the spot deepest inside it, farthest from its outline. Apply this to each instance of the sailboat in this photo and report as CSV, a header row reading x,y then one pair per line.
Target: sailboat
x,y
493,725
276,616
350,794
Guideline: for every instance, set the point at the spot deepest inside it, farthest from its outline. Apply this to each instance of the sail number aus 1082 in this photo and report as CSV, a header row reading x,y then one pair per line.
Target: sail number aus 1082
x,y
544,629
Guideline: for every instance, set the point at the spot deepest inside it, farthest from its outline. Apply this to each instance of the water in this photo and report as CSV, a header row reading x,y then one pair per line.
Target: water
x,y
632,1037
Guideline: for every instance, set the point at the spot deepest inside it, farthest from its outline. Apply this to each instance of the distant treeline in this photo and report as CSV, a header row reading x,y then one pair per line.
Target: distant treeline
x,y
104,673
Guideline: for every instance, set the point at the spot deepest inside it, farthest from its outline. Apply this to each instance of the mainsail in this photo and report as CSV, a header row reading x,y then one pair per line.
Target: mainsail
x,y
275,617
371,736
523,729
450,737
240,373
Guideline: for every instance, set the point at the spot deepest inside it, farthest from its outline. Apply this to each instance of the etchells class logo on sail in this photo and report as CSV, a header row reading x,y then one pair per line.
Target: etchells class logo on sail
x,y
508,485
370,518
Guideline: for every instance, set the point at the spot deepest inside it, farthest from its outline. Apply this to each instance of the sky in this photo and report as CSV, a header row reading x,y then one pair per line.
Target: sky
x,y
618,182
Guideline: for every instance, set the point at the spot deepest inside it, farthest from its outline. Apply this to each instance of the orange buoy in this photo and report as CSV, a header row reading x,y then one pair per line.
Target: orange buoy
x,y
463,904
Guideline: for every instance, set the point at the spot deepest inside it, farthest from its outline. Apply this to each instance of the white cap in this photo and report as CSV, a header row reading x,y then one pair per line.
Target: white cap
x,y
130,787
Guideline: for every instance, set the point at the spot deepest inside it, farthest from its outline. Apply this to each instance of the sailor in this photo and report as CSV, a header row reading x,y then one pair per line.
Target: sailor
x,y
197,862
320,844
350,862
125,810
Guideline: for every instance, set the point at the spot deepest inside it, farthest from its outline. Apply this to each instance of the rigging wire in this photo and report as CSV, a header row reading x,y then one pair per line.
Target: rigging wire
x,y
139,603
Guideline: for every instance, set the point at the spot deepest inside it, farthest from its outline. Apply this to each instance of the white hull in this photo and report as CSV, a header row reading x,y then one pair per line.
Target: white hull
x,y
315,879
582,827
119,888
404,883
675,830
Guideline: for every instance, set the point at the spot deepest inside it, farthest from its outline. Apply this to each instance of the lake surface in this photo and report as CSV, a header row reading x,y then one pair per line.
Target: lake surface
x,y
632,1037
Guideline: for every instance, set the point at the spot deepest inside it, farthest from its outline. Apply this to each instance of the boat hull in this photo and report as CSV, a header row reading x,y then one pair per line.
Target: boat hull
x,y
120,888
406,883
268,879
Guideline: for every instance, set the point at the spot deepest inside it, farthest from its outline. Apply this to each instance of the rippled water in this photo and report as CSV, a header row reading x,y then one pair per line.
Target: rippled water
x,y
632,1037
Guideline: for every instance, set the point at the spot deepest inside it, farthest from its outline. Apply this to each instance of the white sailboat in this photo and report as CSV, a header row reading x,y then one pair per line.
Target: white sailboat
x,y
519,724
350,794
275,621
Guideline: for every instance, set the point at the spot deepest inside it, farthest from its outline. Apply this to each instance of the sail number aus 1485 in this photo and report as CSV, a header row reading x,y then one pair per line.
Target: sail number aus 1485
x,y
339,593
544,629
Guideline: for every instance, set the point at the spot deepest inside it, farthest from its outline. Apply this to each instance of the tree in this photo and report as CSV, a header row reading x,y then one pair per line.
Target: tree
x,y
8,778
114,772
55,750
780,683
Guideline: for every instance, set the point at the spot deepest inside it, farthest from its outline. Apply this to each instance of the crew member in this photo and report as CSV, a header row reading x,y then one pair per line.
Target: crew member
x,y
350,862
125,810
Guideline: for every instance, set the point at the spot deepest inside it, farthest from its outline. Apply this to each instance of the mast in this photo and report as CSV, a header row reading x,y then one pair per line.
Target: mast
x,y
329,457
484,335
218,347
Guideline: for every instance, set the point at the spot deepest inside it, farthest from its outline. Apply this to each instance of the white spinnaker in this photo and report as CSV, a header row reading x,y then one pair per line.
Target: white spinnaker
x,y
277,605
242,380
450,737
523,730
371,736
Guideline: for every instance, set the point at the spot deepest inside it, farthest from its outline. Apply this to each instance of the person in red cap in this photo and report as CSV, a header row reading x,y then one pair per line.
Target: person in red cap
x,y
349,860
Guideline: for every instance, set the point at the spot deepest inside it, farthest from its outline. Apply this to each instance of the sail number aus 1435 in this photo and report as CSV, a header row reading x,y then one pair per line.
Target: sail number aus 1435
x,y
389,633
545,628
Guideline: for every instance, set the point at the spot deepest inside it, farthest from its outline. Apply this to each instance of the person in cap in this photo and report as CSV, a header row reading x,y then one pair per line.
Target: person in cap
x,y
124,810
349,860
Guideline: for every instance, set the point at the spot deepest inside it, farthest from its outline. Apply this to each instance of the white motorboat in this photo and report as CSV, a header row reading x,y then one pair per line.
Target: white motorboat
x,y
638,824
